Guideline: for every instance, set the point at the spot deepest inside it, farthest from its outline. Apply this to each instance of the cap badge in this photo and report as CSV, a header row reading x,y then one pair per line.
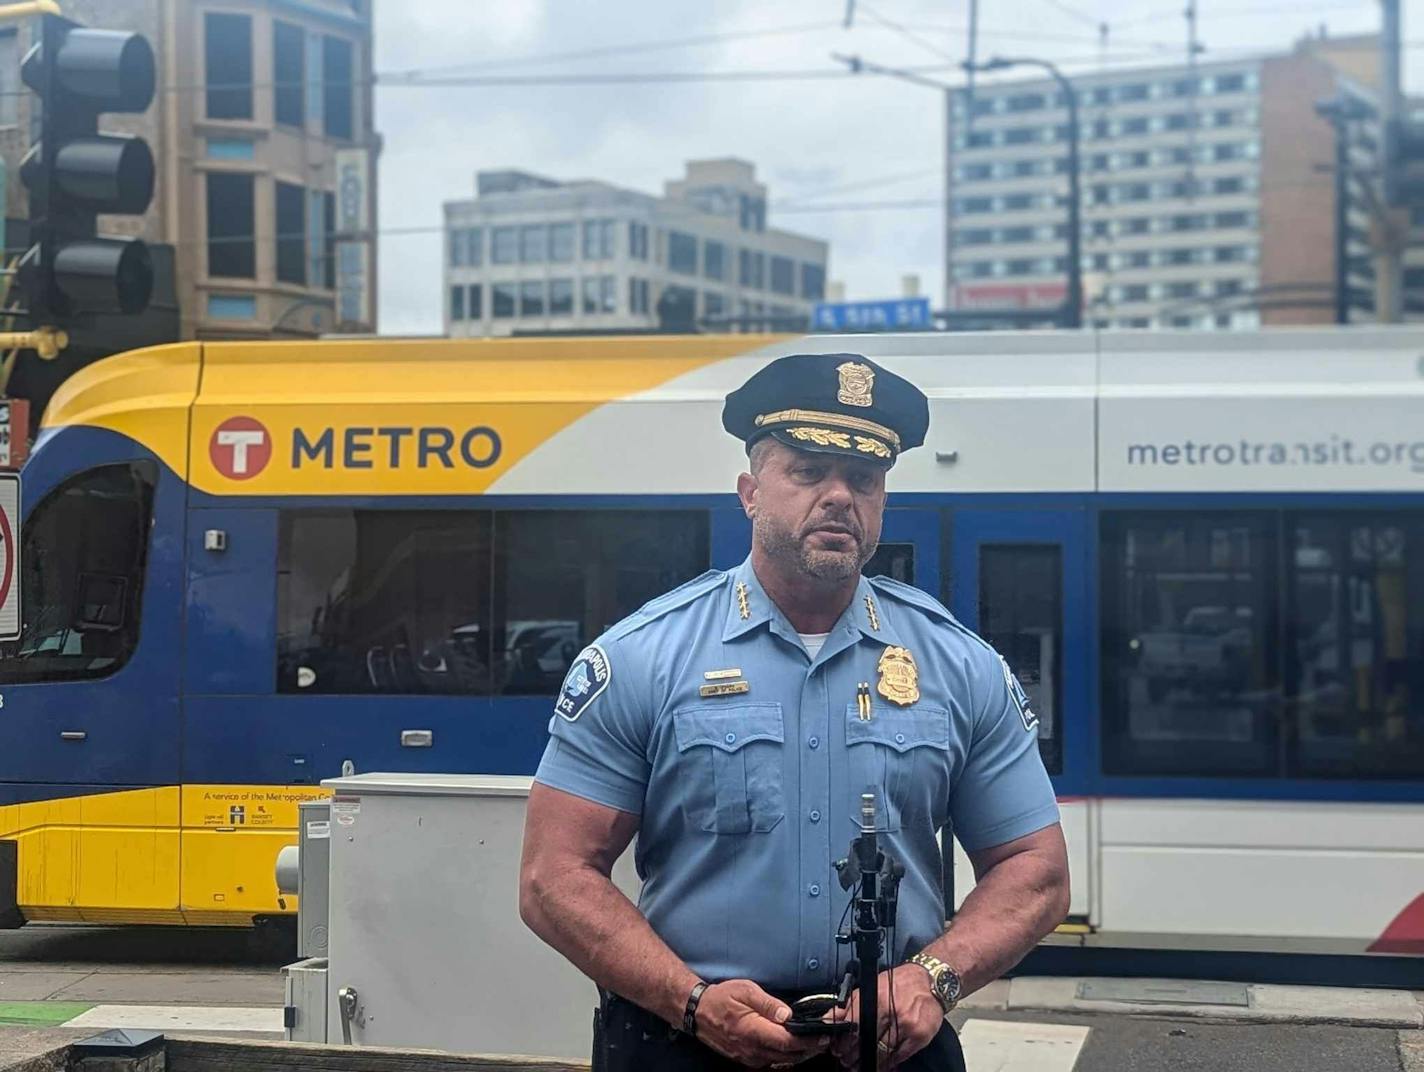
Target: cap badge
x,y
856,383
899,677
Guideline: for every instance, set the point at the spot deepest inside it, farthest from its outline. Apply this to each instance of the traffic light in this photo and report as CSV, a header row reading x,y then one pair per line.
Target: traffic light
x,y
1404,164
73,173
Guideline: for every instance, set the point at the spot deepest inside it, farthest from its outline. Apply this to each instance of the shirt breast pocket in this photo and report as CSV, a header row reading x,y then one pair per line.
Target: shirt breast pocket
x,y
901,753
731,756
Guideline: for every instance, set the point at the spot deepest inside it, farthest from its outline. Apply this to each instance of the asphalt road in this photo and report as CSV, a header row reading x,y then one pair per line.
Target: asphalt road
x,y
61,963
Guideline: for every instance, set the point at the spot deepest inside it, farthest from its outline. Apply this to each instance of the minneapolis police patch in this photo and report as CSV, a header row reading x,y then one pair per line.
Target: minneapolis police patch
x,y
1030,720
587,677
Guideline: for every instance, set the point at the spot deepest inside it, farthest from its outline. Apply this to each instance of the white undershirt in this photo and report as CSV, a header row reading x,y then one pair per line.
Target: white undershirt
x,y
813,642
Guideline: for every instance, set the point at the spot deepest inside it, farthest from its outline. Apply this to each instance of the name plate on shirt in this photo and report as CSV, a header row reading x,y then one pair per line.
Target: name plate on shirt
x,y
724,688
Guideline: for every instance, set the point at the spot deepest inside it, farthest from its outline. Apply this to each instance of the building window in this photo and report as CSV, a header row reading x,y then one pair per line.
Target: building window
x,y
1232,219
531,243
328,250
713,305
503,300
1230,83
974,172
1024,102
1230,185
1137,225
83,557
638,296
813,281
504,243
338,95
457,302
637,240
227,63
531,297
291,234
1228,254
1181,290
714,260
783,275
597,240
1138,91
1178,121
232,247
1134,292
1139,258
751,269
1228,287
599,296
561,243
467,247
682,253
1021,136
561,297
1018,202
1136,125
288,74
1227,151
475,307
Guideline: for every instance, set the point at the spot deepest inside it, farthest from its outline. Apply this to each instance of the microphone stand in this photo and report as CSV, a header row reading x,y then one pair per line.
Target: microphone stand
x,y
876,877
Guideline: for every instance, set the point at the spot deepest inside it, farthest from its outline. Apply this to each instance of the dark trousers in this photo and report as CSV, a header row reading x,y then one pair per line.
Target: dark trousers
x,y
627,1038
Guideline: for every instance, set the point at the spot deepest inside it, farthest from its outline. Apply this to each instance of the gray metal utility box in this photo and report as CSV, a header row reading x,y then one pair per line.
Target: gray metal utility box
x,y
424,935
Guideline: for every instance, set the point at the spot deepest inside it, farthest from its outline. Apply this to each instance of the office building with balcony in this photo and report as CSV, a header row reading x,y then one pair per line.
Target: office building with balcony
x,y
264,148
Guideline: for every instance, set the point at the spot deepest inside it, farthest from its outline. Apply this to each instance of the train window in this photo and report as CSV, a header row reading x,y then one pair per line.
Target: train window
x,y
562,577
83,555
1021,615
1189,670
1355,646
384,602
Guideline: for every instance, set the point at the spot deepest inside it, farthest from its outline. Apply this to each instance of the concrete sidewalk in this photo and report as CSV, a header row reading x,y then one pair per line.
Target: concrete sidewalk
x,y
1208,1001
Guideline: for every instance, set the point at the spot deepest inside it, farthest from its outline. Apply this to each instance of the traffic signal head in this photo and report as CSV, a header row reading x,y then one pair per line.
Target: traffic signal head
x,y
1404,163
74,173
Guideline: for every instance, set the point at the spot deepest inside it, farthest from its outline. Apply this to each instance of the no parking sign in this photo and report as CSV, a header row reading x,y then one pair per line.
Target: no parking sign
x,y
9,556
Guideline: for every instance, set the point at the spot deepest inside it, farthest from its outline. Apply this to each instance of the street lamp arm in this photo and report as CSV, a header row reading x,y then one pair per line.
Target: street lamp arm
x,y
856,65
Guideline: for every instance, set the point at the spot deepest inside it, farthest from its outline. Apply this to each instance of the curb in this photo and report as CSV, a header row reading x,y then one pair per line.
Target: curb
x,y
1265,1004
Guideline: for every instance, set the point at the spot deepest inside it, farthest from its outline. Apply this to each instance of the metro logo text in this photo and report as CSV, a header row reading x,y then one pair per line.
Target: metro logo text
x,y
395,447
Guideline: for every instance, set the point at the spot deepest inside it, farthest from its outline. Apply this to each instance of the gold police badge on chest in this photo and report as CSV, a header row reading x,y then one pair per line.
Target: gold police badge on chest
x,y
899,677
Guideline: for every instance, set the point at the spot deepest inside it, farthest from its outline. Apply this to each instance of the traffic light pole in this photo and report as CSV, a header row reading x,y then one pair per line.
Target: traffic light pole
x,y
1389,270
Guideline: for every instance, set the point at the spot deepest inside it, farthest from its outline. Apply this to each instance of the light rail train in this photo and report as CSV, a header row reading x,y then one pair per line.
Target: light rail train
x,y
249,566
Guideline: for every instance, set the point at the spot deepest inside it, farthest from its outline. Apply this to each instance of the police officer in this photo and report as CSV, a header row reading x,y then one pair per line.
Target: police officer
x,y
733,725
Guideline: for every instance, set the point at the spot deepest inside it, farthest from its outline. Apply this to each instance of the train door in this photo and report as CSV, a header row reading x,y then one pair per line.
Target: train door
x,y
90,690
1019,578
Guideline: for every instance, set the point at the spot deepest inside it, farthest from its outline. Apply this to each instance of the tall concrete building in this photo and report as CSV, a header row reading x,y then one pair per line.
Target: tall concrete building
x,y
1207,190
262,135
533,254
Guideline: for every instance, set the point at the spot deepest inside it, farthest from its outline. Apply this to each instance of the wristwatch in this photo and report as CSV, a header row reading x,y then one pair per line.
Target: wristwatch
x,y
945,983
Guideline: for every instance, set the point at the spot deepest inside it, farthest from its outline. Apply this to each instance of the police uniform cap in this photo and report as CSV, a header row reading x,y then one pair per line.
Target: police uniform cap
x,y
842,404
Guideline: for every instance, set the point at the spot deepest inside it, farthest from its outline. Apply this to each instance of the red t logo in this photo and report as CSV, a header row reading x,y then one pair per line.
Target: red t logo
x,y
240,448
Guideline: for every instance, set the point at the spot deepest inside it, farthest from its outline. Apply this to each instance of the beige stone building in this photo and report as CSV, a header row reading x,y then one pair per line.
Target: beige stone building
x,y
262,134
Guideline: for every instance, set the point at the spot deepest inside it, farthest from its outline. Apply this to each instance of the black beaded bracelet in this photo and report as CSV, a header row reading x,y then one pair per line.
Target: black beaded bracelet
x,y
689,1015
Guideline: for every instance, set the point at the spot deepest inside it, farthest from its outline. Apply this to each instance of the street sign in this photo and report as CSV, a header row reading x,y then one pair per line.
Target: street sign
x,y
9,556
902,314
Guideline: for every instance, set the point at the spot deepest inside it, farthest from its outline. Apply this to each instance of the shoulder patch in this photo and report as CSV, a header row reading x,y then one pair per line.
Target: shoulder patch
x,y
587,678
1020,698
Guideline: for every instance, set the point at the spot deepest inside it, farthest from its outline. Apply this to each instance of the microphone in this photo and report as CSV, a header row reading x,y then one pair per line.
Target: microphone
x,y
866,851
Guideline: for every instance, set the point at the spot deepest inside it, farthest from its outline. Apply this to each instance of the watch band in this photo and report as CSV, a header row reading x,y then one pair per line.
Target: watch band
x,y
689,1014
938,970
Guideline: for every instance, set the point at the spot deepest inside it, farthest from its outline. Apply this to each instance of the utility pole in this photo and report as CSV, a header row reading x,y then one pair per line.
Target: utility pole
x,y
1389,272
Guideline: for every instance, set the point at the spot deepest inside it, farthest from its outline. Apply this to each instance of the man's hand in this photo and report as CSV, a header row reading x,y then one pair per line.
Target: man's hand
x,y
916,1019
742,1021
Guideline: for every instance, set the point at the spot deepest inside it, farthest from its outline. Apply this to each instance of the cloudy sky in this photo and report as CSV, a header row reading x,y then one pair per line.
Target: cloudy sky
x,y
849,143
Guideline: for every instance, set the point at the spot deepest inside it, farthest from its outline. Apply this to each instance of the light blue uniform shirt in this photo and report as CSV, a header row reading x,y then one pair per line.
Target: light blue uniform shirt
x,y
746,800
